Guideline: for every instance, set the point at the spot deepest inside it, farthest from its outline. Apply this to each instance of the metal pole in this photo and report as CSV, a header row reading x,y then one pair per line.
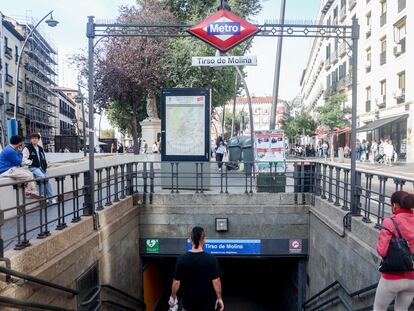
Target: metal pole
x,y
84,120
355,37
19,60
90,34
273,115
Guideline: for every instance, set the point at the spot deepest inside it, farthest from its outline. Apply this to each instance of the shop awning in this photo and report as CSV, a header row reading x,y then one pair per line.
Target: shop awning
x,y
379,123
342,131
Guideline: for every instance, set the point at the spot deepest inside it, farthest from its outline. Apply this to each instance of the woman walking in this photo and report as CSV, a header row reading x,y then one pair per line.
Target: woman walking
x,y
396,285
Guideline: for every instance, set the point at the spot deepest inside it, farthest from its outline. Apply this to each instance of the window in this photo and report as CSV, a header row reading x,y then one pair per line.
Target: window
x,y
401,80
383,55
383,17
368,21
7,68
6,42
401,5
383,87
7,97
400,30
368,99
343,4
16,55
368,64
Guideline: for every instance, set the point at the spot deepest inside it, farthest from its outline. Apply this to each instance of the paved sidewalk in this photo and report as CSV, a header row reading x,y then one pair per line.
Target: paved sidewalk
x,y
405,170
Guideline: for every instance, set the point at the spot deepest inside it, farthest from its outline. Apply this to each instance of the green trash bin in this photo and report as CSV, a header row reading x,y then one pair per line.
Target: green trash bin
x,y
247,153
271,182
234,149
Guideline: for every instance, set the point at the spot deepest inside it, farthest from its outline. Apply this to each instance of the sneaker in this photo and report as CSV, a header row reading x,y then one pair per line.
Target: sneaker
x,y
34,196
52,201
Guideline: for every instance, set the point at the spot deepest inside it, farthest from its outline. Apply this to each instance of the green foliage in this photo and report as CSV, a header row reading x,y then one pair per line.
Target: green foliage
x,y
240,124
332,114
119,116
108,133
302,124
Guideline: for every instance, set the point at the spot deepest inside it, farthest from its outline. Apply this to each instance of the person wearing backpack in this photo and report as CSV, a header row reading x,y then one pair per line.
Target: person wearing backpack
x,y
396,241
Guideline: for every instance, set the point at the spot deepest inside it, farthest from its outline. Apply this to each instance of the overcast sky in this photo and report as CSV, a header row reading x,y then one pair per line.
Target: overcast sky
x,y
69,37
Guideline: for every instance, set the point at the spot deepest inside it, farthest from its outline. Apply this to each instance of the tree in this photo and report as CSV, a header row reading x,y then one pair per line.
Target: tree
x,y
332,116
239,124
300,125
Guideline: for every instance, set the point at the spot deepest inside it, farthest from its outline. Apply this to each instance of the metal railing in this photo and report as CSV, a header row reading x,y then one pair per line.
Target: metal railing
x,y
310,303
24,219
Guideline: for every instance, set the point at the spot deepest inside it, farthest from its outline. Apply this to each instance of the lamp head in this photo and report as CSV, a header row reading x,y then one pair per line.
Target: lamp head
x,y
51,22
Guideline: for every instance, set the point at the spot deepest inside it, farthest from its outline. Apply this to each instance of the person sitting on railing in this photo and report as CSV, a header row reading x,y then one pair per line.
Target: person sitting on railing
x,y
35,158
10,166
396,285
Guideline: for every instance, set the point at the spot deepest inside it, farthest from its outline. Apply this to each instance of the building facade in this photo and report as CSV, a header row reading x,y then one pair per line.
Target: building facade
x,y
37,102
261,106
385,105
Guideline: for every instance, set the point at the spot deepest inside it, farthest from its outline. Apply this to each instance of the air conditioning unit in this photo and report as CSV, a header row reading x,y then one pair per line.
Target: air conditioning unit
x,y
397,49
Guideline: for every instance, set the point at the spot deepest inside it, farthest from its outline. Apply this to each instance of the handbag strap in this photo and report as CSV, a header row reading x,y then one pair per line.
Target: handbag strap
x,y
396,227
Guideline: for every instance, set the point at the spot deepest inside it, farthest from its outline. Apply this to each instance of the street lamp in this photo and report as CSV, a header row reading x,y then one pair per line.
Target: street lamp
x,y
12,124
79,100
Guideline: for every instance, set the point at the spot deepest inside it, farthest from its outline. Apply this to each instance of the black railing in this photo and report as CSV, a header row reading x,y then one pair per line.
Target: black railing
x,y
26,220
8,51
310,303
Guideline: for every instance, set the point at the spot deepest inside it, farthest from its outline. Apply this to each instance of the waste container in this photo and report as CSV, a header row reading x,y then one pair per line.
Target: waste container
x,y
247,153
341,155
271,182
234,149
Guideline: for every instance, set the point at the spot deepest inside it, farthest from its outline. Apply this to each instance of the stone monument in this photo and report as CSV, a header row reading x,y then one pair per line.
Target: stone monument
x,y
151,126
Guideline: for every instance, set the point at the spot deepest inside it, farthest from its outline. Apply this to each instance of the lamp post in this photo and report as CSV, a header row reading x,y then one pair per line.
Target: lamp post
x,y
79,100
12,123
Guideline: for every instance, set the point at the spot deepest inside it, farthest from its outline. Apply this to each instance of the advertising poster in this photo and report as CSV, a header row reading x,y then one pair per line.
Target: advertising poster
x,y
270,147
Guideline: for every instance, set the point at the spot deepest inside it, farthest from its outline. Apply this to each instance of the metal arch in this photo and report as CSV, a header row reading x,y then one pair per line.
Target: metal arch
x,y
267,30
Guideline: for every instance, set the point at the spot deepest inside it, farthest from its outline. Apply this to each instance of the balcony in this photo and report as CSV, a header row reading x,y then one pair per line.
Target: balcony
x,y
342,13
351,4
9,80
10,109
342,49
327,93
383,58
400,96
344,82
327,63
401,5
368,33
399,48
334,57
383,103
20,85
383,19
327,6
368,106
368,67
8,52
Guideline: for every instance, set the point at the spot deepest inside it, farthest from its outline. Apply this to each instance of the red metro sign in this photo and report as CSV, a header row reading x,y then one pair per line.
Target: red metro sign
x,y
223,30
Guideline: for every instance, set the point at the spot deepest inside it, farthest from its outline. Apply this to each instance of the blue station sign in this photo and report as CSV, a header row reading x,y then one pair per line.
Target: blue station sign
x,y
230,247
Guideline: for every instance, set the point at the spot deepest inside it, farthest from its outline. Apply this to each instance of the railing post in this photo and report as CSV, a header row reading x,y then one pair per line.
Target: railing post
x,y
330,184
399,184
381,201
367,209
75,200
176,177
323,196
197,179
172,178
61,203
130,184
346,186
338,176
42,209
116,192
108,186
246,171
87,208
151,177
123,196
100,194
358,191
201,177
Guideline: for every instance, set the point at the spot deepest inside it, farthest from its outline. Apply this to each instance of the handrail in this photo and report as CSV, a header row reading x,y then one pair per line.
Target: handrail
x,y
332,300
346,290
117,305
33,279
110,287
13,302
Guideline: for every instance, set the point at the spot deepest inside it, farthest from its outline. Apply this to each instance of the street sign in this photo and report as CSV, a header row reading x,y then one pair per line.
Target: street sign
x,y
221,61
295,246
230,247
223,30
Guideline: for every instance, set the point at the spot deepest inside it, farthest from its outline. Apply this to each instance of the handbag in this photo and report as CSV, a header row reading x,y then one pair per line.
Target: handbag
x,y
399,257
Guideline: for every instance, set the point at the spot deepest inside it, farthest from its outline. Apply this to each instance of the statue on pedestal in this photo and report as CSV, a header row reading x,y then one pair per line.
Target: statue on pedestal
x,y
152,106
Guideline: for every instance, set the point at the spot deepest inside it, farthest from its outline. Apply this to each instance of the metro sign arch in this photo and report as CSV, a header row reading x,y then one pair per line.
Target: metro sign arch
x,y
223,30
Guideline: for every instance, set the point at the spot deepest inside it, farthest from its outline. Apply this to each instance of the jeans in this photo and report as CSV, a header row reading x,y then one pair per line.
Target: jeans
x,y
402,290
22,174
40,173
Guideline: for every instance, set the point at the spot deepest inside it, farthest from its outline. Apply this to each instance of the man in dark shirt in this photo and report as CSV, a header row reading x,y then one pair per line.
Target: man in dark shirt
x,y
197,275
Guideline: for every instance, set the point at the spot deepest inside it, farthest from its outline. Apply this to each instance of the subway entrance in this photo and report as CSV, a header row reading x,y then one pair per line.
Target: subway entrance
x,y
248,283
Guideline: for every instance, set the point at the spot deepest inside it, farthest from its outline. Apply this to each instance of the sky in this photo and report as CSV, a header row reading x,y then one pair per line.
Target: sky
x,y
69,37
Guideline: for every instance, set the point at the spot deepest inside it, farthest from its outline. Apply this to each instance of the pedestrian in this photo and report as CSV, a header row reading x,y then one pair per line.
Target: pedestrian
x,y
396,285
113,148
220,151
10,166
358,150
120,148
389,152
155,148
34,156
363,151
197,275
374,150
347,151
325,147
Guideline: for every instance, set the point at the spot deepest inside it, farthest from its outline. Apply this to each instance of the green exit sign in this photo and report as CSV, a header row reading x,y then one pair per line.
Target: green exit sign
x,y
152,246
